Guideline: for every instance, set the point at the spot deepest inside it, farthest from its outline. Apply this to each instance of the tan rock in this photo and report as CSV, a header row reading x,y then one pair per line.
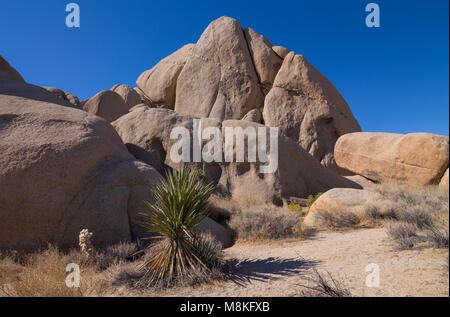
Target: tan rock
x,y
61,171
63,95
417,158
308,109
7,72
144,99
253,116
106,104
444,181
219,232
218,79
128,94
146,133
266,61
159,83
360,180
340,202
281,51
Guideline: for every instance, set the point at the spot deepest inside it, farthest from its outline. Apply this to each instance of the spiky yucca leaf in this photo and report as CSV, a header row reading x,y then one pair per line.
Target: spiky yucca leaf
x,y
181,203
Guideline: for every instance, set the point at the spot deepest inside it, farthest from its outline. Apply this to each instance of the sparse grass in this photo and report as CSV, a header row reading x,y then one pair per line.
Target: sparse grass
x,y
43,274
267,225
337,221
324,285
404,234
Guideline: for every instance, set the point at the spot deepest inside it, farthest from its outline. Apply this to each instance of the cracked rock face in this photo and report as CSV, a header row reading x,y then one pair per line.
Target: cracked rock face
x,y
219,80
307,108
416,158
159,83
232,72
146,133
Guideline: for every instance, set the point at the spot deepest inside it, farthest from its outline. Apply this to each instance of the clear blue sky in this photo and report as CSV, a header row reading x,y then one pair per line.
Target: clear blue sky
x,y
394,78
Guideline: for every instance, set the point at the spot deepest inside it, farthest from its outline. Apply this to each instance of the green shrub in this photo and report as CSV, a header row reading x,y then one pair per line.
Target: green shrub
x,y
295,207
312,199
181,203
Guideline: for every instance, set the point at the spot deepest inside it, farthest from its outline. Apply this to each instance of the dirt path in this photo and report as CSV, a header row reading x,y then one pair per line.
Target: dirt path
x,y
277,268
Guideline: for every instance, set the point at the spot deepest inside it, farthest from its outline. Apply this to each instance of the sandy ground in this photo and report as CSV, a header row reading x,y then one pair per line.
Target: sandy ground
x,y
279,268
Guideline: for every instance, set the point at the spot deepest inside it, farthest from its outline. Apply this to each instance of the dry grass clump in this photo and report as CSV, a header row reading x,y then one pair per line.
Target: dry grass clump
x,y
43,274
324,285
339,221
268,225
414,215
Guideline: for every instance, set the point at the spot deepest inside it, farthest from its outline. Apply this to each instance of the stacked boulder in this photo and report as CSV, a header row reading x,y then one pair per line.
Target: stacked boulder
x,y
63,170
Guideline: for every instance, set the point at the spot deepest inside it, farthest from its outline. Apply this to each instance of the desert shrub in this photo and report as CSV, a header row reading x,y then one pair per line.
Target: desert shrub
x,y
337,221
266,224
404,234
437,237
181,203
312,199
324,285
43,275
295,208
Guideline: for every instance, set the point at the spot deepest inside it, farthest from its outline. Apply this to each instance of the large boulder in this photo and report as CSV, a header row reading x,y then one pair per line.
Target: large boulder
x,y
416,158
346,204
63,170
159,83
64,95
266,61
107,104
128,94
307,108
219,79
444,181
146,132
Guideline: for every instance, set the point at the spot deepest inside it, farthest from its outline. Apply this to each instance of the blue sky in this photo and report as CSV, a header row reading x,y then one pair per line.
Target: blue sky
x,y
395,78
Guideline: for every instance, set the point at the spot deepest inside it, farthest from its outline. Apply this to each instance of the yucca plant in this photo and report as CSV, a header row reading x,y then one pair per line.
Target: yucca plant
x,y
181,203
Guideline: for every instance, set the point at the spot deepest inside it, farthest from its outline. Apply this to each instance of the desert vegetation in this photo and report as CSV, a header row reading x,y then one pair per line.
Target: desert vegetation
x,y
413,216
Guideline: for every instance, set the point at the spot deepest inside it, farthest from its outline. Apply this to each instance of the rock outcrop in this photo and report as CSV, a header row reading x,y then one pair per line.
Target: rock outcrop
x,y
266,61
63,170
64,95
345,204
7,72
444,181
416,158
130,96
146,132
159,83
308,109
107,104
219,79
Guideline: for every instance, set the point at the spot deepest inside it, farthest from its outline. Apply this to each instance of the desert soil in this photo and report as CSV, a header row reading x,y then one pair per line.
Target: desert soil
x,y
279,268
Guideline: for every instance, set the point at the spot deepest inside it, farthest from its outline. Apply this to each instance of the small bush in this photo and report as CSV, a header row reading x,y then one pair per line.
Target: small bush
x,y
437,237
404,234
337,221
312,199
295,208
266,224
324,285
